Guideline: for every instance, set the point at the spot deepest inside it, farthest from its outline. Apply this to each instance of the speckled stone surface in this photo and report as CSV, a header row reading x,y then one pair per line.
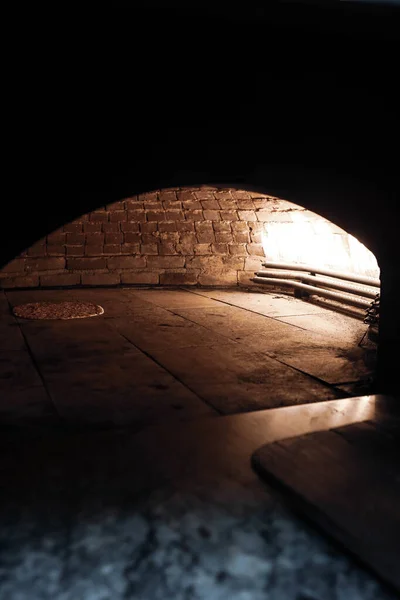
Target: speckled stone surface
x,y
179,546
112,523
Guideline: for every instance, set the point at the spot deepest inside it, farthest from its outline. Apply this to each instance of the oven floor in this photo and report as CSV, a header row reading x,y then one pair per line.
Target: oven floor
x,y
178,354
107,494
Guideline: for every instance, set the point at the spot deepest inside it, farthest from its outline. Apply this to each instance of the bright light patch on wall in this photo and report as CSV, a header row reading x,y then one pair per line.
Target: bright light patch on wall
x,y
319,243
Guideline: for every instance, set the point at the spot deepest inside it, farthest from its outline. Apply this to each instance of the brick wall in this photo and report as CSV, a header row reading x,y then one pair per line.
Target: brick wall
x,y
204,236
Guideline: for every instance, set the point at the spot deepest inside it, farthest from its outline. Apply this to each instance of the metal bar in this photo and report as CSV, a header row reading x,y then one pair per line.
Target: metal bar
x,y
337,285
352,300
309,269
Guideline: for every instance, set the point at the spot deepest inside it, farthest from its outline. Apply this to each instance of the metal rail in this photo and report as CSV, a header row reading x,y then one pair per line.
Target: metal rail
x,y
320,281
371,281
311,290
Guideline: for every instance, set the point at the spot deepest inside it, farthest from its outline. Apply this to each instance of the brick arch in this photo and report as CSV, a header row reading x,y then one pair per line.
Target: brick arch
x,y
175,236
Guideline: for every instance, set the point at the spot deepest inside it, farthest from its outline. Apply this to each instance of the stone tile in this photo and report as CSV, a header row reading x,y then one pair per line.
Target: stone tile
x,y
11,338
102,515
17,371
174,298
235,323
234,380
285,388
165,331
269,304
135,406
333,365
330,324
27,406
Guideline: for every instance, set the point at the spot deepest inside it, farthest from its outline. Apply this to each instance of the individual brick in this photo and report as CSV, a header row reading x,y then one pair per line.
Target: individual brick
x,y
45,264
126,262
56,239
247,215
223,278
86,264
240,226
168,196
232,262
148,227
136,215
204,194
204,227
245,204
212,215
221,226
186,243
256,237
73,228
99,279
114,238
229,215
241,237
133,203
144,278
237,249
166,248
112,249
53,250
75,238
185,226
186,196
219,248
75,250
130,248
156,215
264,216
174,215
255,249
206,237
94,250
170,236
116,206
205,263
194,215
22,281
245,278
98,217
130,227
111,228
227,204
132,238
264,204
241,194
202,248
178,278
210,204
94,239
191,205
37,250
251,263
149,249
92,227
165,262
166,226
223,237
148,197
150,238
15,266
223,195
65,279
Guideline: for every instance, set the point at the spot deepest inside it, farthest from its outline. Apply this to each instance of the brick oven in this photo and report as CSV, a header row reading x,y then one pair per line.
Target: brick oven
x,y
170,146
204,236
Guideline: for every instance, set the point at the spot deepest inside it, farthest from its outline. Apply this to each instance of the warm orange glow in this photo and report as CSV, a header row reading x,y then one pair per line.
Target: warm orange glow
x,y
319,243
